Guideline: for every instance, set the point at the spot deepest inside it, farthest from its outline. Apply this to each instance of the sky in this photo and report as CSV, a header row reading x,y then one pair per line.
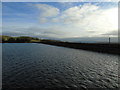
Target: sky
x,y
60,19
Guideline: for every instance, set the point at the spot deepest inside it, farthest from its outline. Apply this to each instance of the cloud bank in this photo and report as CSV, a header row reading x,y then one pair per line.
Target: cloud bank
x,y
81,19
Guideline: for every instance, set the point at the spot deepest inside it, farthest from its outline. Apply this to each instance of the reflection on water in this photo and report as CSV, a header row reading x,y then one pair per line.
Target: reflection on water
x,y
45,66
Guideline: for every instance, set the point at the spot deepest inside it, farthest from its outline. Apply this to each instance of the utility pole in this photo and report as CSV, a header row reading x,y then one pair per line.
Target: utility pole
x,y
109,40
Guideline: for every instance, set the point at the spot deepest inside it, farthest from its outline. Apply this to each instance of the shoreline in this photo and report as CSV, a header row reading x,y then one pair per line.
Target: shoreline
x,y
110,48
96,47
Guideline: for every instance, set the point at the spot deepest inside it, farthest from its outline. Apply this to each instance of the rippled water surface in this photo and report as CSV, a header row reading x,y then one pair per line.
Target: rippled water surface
x,y
45,66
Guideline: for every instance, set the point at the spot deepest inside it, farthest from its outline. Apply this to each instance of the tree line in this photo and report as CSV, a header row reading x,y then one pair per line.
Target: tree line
x,y
21,39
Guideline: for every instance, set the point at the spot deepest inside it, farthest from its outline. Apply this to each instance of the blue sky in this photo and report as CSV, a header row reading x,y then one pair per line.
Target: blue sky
x,y
59,19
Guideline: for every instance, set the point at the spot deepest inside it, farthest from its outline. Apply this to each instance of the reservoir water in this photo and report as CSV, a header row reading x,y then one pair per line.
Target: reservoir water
x,y
27,65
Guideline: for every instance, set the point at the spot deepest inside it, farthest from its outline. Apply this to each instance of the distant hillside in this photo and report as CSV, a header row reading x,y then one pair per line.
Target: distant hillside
x,y
21,39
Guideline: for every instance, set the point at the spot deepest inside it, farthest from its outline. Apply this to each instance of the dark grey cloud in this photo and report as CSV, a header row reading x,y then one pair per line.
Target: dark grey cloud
x,y
113,33
55,32
92,31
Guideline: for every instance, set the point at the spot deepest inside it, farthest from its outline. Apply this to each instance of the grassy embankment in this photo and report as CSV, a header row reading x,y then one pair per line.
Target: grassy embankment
x,y
21,39
111,48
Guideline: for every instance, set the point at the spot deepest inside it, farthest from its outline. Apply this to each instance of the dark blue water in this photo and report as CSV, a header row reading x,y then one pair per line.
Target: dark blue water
x,y
44,66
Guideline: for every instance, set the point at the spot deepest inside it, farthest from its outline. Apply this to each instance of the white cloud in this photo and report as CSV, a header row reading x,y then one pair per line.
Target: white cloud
x,y
89,17
47,10
43,20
